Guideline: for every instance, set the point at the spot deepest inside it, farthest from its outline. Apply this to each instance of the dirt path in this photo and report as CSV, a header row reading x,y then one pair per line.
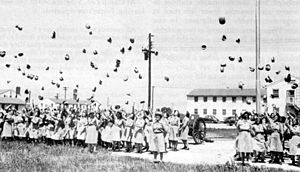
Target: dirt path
x,y
219,152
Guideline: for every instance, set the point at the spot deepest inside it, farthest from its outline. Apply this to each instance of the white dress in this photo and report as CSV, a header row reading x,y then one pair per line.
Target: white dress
x,y
91,132
81,129
294,142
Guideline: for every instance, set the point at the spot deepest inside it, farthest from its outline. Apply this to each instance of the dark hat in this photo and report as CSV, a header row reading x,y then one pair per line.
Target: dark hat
x,y
47,68
203,47
91,33
252,69
116,70
260,68
277,72
20,54
83,50
122,50
109,40
67,57
107,75
268,67
238,40
224,38
142,102
41,98
95,52
126,79
240,60
61,79
294,86
19,69
28,66
287,68
222,69
222,20
131,40
100,82
288,78
231,58
53,35
140,76
94,89
87,26
2,53
167,78
273,59
26,91
136,70
129,48
36,77
7,65
19,27
117,107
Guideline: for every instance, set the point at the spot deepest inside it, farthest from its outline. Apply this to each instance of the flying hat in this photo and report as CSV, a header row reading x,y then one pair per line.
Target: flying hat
x,y
222,20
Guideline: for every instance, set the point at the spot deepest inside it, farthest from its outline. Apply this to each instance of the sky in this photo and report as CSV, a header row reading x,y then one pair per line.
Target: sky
x,y
180,28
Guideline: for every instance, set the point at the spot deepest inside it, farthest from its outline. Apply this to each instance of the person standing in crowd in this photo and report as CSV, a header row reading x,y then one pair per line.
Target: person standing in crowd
x,y
7,126
294,142
138,137
259,143
174,130
274,141
81,130
158,137
91,133
117,131
245,146
184,131
127,134
165,121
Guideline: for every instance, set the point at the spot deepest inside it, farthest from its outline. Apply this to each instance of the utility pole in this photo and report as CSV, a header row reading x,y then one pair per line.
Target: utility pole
x,y
257,55
152,107
65,89
147,54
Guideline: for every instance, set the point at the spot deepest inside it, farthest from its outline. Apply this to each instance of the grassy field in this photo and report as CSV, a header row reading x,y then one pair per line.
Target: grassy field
x,y
25,157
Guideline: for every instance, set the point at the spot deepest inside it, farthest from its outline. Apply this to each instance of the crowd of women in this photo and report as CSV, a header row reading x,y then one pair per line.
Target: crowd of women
x,y
268,135
110,128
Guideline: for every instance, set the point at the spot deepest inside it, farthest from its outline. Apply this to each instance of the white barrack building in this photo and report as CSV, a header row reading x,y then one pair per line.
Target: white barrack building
x,y
222,103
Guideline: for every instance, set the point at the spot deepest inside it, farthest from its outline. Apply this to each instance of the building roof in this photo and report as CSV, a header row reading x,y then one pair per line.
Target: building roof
x,y
70,101
224,92
14,101
2,91
282,80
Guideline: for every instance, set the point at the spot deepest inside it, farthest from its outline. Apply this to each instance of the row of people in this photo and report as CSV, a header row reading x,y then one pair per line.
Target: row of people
x,y
111,128
268,135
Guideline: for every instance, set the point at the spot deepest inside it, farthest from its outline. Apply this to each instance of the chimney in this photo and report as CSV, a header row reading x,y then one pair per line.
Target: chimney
x,y
74,94
18,91
56,97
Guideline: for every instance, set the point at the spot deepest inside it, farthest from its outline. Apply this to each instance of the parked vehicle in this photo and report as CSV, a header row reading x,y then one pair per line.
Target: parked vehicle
x,y
230,120
211,119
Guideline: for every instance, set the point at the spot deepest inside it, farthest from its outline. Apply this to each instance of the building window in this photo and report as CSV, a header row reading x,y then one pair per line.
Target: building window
x,y
224,111
204,111
196,111
275,93
205,99
195,99
233,99
214,99
254,99
244,99
224,99
233,112
214,111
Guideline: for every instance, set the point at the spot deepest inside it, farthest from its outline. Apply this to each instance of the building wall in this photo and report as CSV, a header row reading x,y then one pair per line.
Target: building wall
x,y
47,103
280,102
229,106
